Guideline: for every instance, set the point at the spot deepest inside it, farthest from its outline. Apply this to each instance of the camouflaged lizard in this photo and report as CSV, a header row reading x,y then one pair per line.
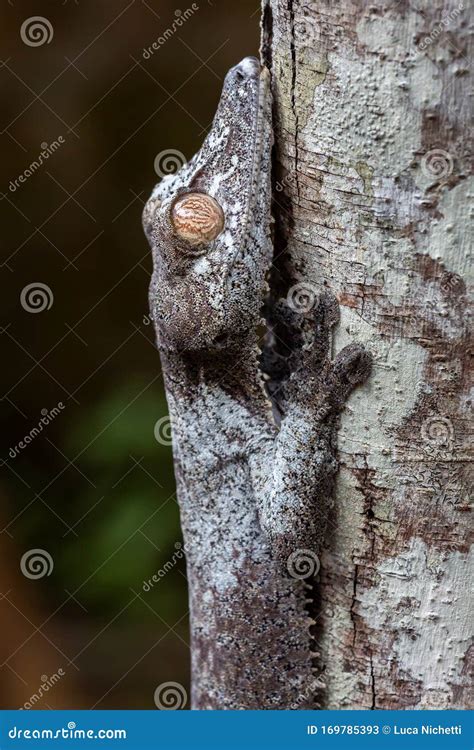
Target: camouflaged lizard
x,y
253,492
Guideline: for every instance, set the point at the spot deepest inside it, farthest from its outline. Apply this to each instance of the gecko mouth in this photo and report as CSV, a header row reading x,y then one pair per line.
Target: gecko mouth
x,y
262,116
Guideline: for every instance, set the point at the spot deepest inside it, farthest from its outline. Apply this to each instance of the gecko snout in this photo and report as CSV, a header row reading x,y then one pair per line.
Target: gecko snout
x,y
249,67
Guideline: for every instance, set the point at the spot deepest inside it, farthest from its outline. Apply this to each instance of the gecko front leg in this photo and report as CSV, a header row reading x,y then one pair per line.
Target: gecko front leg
x,y
294,496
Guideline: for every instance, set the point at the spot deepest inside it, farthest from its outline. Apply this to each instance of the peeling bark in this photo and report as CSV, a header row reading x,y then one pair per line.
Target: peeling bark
x,y
372,188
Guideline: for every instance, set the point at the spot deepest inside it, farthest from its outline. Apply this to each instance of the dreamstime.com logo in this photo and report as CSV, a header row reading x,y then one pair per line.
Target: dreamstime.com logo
x,y
302,297
169,161
439,27
47,150
287,181
302,564
36,31
181,16
46,418
36,297
47,684
162,431
169,565
67,733
170,696
437,433
307,695
36,563
437,163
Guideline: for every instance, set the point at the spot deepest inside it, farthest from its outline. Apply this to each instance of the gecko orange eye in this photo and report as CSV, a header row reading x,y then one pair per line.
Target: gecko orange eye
x,y
197,218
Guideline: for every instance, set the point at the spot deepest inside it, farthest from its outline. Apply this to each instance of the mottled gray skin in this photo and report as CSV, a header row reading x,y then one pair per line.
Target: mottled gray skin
x,y
250,493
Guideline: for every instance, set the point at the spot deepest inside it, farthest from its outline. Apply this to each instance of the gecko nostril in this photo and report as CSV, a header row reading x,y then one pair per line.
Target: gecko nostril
x,y
197,218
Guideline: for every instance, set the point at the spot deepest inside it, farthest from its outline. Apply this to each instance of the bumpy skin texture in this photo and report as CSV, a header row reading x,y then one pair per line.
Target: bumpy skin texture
x,y
251,494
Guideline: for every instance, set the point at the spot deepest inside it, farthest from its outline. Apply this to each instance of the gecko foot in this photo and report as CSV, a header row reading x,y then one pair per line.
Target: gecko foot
x,y
315,377
351,368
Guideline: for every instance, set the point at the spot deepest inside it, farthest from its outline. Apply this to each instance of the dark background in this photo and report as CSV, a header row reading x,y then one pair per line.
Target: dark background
x,y
95,489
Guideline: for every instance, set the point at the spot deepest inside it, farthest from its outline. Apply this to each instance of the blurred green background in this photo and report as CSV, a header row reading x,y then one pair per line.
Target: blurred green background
x,y
94,490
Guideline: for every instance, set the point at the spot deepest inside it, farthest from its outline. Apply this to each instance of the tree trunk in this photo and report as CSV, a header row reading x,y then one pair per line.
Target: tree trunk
x,y
371,118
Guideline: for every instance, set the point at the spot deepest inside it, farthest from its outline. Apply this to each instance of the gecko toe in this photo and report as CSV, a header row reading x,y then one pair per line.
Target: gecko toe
x,y
327,310
352,365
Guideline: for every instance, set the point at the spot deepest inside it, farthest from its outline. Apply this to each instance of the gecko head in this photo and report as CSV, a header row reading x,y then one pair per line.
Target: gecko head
x,y
209,224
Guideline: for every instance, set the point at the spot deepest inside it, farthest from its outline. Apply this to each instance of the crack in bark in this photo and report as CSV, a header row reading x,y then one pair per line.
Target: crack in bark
x,y
293,92
353,603
370,559
372,682
369,529
267,36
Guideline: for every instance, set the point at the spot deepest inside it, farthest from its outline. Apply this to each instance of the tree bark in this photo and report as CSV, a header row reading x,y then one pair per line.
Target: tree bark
x,y
371,177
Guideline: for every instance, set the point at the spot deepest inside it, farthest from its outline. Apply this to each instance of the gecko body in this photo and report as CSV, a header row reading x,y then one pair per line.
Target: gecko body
x,y
253,494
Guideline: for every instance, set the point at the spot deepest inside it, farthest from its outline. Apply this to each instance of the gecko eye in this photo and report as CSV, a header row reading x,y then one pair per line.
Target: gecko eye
x,y
197,218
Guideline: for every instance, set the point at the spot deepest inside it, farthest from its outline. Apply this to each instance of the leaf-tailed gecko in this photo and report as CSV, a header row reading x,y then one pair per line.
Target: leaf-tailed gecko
x,y
253,494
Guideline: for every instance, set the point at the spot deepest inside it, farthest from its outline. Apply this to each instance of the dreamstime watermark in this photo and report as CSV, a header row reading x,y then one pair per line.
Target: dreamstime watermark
x,y
437,163
162,431
170,696
302,564
169,565
47,683
437,433
181,16
36,31
452,282
308,694
445,487
66,733
36,297
169,161
439,27
36,563
289,179
47,149
46,419
302,297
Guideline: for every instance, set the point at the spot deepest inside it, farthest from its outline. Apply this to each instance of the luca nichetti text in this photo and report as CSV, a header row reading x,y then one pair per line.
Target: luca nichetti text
x,y
427,729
